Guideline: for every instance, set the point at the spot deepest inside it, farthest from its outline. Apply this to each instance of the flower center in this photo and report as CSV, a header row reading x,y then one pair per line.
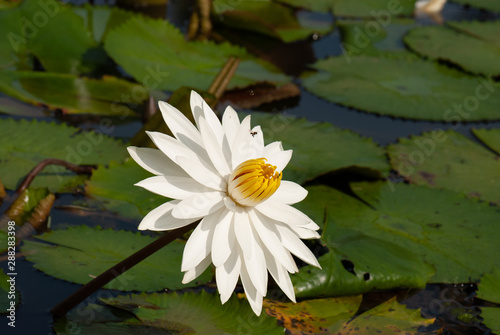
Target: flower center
x,y
253,181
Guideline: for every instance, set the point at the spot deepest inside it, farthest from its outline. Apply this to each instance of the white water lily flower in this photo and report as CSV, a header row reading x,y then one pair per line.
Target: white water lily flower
x,y
223,174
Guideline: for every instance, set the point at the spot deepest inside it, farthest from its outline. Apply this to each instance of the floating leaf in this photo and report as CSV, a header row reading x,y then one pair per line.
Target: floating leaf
x,y
489,290
268,18
312,316
490,137
114,188
384,241
359,8
88,252
448,160
170,62
485,30
72,94
319,148
403,87
162,313
470,52
6,295
27,143
492,5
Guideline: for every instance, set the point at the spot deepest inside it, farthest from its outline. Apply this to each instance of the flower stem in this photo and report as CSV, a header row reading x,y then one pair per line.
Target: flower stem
x,y
83,292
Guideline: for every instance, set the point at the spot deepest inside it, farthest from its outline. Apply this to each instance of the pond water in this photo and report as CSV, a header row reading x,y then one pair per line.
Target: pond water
x,y
39,292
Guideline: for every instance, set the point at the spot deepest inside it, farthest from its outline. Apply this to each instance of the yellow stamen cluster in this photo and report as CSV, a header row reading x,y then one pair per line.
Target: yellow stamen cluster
x,y
253,181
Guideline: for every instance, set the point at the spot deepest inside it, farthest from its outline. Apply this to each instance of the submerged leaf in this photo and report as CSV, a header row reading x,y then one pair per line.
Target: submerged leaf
x,y
90,251
173,313
448,160
404,87
27,143
170,61
7,297
384,243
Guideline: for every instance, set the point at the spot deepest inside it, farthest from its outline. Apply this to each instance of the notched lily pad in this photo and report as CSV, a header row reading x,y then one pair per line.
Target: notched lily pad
x,y
489,290
27,143
90,251
449,160
490,137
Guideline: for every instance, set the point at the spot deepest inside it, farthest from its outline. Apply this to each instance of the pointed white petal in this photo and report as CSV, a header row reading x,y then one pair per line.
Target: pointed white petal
x,y
282,213
258,137
155,161
269,236
180,126
256,265
198,270
201,109
171,147
202,173
230,123
198,205
305,233
227,275
199,244
296,246
253,296
224,239
280,276
173,187
272,148
244,146
214,148
289,193
161,218
280,159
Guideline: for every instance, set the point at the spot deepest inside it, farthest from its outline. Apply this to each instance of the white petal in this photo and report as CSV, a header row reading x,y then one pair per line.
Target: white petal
x,y
161,218
289,193
214,148
280,159
305,233
155,161
227,276
256,265
201,109
198,270
171,147
224,239
230,123
244,146
201,173
282,213
198,205
243,232
296,246
281,277
173,187
258,137
180,126
272,148
269,236
199,244
253,296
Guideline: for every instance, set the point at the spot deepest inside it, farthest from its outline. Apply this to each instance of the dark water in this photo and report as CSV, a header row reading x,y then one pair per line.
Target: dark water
x,y
39,292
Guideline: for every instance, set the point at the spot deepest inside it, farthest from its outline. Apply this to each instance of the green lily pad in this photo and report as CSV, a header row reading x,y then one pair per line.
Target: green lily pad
x,y
471,53
162,313
157,55
490,137
319,148
403,87
35,27
114,187
491,5
448,160
373,37
268,18
484,30
72,94
88,252
489,290
7,296
360,8
27,143
383,239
